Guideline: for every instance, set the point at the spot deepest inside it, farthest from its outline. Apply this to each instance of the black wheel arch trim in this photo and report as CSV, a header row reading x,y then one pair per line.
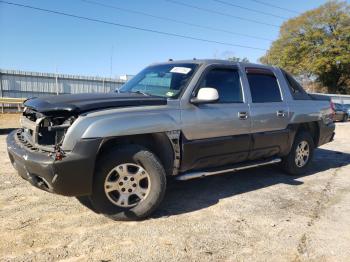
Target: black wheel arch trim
x,y
161,144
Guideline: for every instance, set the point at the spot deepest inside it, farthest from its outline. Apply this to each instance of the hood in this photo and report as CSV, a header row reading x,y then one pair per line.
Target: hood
x,y
80,103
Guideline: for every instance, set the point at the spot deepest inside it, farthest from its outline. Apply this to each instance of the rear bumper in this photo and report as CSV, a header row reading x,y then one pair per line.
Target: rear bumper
x,y
71,176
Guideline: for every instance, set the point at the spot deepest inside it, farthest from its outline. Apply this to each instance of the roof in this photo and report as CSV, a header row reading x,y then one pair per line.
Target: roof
x,y
211,61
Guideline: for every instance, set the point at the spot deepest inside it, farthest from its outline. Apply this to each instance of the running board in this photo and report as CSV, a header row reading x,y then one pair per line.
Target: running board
x,y
197,174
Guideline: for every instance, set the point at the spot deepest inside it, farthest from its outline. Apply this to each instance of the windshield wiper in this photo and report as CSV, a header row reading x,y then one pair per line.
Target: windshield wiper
x,y
140,92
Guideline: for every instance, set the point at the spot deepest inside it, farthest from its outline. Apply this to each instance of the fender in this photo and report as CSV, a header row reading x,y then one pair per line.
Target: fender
x,y
121,124
135,125
316,112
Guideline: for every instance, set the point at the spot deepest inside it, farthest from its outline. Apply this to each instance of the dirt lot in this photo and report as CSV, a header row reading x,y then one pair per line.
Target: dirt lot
x,y
257,215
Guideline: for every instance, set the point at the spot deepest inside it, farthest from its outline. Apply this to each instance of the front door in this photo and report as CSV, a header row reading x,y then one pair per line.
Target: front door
x,y
217,134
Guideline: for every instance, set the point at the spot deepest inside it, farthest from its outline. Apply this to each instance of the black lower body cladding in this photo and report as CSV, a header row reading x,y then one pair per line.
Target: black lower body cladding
x,y
71,176
326,133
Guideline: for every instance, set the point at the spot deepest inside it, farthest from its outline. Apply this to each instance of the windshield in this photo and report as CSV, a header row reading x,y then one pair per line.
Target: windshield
x,y
166,80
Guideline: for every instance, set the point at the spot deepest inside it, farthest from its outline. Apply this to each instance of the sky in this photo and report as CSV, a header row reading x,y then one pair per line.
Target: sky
x,y
32,40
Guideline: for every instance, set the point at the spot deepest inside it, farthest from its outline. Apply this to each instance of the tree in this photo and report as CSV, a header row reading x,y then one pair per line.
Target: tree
x,y
237,59
316,44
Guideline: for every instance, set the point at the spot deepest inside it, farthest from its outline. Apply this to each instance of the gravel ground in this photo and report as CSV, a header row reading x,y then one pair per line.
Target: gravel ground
x,y
258,215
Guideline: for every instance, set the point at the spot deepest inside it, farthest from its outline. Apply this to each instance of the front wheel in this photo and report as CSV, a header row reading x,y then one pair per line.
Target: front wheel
x,y
129,183
299,158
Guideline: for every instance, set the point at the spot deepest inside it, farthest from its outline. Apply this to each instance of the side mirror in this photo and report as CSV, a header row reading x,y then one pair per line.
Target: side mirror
x,y
206,95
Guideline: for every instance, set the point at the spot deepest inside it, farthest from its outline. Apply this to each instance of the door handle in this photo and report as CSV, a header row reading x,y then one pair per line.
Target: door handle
x,y
242,115
281,113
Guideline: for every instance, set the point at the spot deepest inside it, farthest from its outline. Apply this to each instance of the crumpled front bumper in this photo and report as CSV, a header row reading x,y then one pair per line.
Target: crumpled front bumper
x,y
71,176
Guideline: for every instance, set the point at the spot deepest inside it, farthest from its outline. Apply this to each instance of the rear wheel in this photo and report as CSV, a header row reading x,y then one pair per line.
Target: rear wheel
x,y
129,183
299,158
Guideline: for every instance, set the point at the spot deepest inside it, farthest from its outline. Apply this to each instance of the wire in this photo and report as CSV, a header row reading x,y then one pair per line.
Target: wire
x,y
250,9
128,26
220,13
174,20
275,6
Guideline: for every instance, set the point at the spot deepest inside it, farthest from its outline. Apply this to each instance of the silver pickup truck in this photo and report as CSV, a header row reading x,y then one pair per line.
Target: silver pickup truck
x,y
181,119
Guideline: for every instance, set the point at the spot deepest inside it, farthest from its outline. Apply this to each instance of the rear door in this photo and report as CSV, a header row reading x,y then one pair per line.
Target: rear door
x,y
216,134
269,114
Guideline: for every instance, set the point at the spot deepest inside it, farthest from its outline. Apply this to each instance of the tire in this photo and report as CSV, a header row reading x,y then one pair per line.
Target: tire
x,y
293,165
121,170
85,201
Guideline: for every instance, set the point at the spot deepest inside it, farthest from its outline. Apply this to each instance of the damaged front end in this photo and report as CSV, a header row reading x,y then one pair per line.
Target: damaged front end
x,y
45,132
35,151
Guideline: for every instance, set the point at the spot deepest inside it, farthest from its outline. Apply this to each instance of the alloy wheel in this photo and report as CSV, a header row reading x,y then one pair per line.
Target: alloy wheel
x,y
127,184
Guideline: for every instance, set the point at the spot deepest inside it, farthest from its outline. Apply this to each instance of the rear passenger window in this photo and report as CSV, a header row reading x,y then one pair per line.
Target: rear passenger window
x,y
227,82
264,88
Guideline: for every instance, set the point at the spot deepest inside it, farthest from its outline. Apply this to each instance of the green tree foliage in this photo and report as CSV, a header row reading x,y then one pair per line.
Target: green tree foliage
x,y
237,59
316,44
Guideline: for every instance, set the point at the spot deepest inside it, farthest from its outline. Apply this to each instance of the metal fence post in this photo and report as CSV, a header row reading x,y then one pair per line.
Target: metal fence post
x,y
1,92
57,92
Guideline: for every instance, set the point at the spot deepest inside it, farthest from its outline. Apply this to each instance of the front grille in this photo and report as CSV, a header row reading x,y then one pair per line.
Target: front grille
x,y
43,132
25,142
21,137
29,135
31,128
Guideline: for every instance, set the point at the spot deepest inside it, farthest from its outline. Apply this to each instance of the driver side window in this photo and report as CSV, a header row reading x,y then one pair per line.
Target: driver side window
x,y
226,81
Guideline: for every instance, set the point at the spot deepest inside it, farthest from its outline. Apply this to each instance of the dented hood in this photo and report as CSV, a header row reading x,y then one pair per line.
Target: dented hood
x,y
80,103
